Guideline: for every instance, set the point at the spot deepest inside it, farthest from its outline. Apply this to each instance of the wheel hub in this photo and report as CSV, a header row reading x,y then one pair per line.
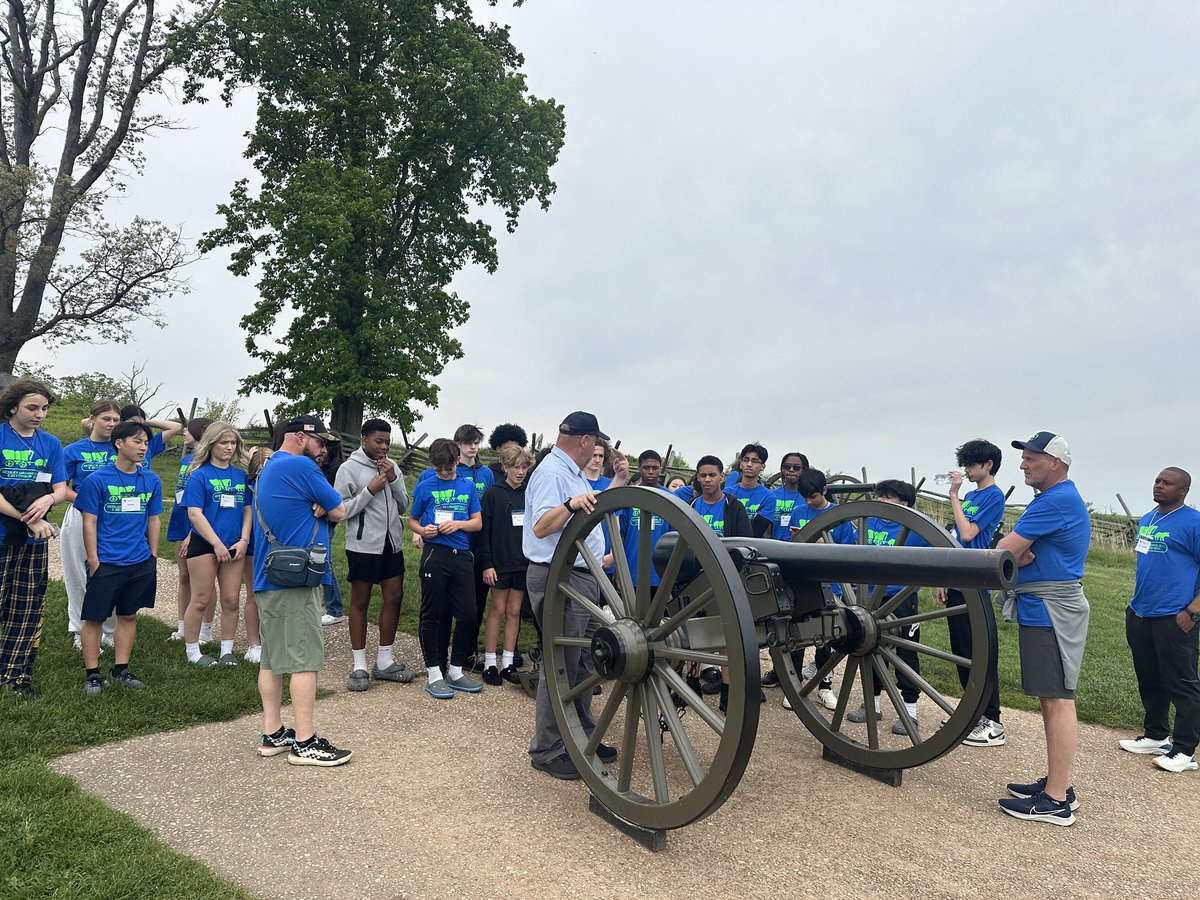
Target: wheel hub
x,y
863,632
622,651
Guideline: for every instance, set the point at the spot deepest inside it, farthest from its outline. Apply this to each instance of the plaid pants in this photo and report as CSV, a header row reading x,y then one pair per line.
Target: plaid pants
x,y
23,577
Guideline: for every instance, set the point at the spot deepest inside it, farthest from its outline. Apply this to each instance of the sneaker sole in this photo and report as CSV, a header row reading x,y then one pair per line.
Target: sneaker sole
x,y
435,696
1012,793
1155,752
472,689
990,742
324,763
1158,765
560,776
272,751
1049,820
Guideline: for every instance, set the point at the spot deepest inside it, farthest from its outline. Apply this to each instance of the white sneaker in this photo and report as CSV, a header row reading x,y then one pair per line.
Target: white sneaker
x,y
986,733
78,642
809,671
828,698
106,640
253,654
1176,762
1146,746
175,636
327,619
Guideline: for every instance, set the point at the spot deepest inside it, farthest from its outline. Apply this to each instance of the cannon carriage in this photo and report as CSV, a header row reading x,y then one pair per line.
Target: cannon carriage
x,y
719,601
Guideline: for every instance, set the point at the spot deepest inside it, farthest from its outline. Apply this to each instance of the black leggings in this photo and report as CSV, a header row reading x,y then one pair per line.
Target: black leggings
x,y
962,645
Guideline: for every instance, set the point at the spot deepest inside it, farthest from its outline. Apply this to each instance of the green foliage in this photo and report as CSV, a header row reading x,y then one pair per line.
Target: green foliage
x,y
223,410
383,129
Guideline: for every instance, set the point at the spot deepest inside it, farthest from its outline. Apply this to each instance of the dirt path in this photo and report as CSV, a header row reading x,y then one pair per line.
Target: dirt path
x,y
440,801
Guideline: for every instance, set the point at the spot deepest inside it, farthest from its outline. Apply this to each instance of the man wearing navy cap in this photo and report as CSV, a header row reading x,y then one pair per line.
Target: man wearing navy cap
x,y
1050,542
557,490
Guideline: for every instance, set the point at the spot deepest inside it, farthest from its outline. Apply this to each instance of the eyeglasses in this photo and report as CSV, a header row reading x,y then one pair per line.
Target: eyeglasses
x,y
792,467
752,459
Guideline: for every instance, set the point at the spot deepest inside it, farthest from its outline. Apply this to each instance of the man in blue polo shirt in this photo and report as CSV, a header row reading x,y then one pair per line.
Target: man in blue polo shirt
x,y
1050,542
1161,625
292,496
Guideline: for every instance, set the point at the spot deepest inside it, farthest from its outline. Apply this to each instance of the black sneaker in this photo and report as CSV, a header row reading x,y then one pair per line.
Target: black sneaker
x,y
279,742
93,685
1025,791
770,679
24,690
317,751
560,767
711,676
518,660
1041,807
605,753
509,674
723,689
491,675
128,679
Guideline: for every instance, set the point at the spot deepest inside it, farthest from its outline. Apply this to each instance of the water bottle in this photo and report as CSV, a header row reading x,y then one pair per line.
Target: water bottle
x,y
941,478
317,556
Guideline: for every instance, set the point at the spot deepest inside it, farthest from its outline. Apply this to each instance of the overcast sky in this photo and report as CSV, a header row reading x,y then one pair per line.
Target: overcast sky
x,y
866,231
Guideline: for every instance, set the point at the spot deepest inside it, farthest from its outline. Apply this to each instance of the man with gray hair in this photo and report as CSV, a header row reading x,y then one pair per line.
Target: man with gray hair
x,y
557,490
1050,542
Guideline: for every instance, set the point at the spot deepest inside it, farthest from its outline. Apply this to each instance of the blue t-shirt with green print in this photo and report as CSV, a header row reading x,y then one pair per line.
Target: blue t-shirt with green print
x,y
120,523
985,509
885,533
786,501
84,457
456,496
178,526
221,495
27,460
758,500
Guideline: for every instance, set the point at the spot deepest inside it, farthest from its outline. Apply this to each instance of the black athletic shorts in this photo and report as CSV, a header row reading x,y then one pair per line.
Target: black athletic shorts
x,y
123,589
510,581
375,567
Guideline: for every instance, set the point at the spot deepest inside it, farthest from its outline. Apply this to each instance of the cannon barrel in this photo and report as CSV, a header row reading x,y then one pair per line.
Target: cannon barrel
x,y
862,564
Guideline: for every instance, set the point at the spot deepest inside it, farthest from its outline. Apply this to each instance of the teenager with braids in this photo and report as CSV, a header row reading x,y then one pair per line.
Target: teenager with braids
x,y
215,498
81,459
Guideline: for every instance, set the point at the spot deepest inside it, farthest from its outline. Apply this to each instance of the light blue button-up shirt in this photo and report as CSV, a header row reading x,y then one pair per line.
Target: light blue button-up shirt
x,y
553,482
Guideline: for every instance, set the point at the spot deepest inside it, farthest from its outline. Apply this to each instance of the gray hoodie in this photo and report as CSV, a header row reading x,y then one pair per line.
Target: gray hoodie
x,y
369,517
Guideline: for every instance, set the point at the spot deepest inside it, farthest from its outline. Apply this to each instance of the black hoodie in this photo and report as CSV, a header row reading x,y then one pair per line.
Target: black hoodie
x,y
499,545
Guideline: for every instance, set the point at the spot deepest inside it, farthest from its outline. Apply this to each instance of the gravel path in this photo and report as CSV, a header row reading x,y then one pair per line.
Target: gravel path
x,y
440,801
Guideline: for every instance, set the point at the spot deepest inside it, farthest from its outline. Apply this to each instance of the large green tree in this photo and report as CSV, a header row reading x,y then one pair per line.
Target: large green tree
x,y
386,130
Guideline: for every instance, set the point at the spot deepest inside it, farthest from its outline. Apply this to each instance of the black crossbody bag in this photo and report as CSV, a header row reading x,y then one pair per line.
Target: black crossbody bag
x,y
291,567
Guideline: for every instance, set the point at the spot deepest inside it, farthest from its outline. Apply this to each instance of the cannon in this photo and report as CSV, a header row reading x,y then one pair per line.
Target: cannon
x,y
720,600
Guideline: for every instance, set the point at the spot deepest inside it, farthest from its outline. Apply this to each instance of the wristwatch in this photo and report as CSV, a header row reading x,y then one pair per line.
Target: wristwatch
x,y
567,504
1195,616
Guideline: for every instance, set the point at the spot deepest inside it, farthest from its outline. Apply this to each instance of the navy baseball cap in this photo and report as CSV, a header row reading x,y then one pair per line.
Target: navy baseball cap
x,y
581,423
309,425
1047,442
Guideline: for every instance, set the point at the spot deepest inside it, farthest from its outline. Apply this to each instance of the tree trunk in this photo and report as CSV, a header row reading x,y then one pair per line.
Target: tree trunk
x,y
347,415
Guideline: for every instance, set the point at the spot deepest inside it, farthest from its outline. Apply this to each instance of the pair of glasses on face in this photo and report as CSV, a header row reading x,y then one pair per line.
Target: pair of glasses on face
x,y
752,459
792,467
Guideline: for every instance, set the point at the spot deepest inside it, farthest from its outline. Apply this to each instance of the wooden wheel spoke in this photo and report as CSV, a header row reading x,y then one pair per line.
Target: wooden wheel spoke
x,y
918,647
667,582
677,654
863,534
713,720
584,686
902,537
654,744
633,715
924,686
607,591
606,716
868,683
900,596
876,594
843,700
942,612
678,732
600,615
889,686
822,673
699,603
620,568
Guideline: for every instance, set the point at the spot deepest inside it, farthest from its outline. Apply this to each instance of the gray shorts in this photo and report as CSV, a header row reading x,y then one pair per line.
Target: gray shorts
x,y
290,623
1041,664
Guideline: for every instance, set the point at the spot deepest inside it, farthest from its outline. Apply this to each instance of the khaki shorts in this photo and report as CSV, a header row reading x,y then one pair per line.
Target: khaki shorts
x,y
290,623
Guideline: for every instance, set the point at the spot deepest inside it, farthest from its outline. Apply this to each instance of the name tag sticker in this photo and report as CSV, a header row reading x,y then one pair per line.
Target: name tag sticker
x,y
179,496
518,518
228,501
43,477
442,516
131,504
785,520
1143,545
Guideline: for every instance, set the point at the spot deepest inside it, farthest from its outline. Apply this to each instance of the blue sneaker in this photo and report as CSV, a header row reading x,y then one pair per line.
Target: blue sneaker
x,y
1039,808
468,683
439,690
1025,791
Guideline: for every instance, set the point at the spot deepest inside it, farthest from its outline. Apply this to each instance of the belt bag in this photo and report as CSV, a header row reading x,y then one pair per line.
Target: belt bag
x,y
292,567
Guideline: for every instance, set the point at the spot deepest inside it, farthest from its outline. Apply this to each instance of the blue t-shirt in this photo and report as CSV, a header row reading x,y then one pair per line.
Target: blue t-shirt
x,y
84,457
802,514
631,529
178,526
1168,572
221,495
26,460
786,501
758,501
600,484
985,509
456,497
885,533
287,488
479,475
156,446
121,524
1057,522
712,513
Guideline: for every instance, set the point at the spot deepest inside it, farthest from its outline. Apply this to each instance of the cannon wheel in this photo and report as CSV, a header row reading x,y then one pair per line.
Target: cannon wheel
x,y
658,781
868,666
841,478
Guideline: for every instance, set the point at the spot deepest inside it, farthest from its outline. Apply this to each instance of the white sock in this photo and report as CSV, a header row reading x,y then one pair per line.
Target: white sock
x,y
226,647
877,703
489,659
360,659
193,651
507,658
206,632
180,629
384,658
912,709
435,674
455,673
